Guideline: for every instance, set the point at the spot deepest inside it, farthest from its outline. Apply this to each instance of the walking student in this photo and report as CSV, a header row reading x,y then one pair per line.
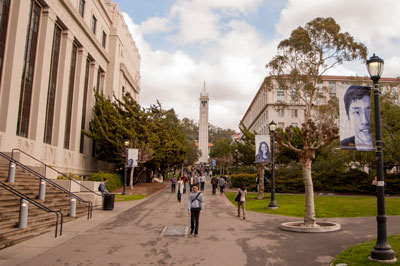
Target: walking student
x,y
221,184
180,189
202,181
195,207
173,184
214,183
241,199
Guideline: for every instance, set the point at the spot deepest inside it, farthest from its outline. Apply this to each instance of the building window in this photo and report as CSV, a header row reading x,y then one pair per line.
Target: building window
x,y
28,70
94,24
294,124
104,40
281,125
123,91
294,113
85,92
100,73
81,7
332,89
5,4
51,93
70,97
280,95
281,112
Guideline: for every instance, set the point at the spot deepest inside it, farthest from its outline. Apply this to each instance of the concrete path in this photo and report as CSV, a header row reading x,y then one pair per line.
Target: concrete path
x,y
133,236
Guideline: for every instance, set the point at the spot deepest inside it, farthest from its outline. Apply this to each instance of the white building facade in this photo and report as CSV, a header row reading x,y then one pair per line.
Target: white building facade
x,y
53,55
203,126
279,106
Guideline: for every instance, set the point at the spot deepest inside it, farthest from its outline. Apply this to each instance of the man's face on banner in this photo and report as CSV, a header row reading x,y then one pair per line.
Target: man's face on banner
x,y
359,110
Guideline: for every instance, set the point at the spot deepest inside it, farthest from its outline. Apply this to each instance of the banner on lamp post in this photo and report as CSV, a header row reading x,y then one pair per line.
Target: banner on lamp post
x,y
355,125
133,157
263,151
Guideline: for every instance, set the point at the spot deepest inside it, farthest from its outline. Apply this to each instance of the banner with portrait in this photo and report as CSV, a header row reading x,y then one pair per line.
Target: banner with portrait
x,y
355,118
133,157
263,151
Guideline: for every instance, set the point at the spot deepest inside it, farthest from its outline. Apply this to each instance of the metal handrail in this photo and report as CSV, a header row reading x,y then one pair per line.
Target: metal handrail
x,y
37,204
49,181
48,166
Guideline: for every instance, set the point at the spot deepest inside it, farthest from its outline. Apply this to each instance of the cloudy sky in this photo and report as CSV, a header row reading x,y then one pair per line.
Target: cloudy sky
x,y
227,43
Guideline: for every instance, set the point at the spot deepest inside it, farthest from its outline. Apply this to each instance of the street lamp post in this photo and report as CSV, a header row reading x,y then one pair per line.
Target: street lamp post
x,y
126,144
382,251
236,152
272,204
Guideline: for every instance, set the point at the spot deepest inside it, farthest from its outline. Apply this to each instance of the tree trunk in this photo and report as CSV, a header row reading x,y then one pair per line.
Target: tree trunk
x,y
260,181
309,218
131,177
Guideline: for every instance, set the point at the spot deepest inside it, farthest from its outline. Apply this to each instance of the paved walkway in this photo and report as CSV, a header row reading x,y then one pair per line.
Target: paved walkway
x,y
131,235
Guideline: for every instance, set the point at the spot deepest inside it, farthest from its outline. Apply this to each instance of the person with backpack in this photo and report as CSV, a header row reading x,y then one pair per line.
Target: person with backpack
x,y
240,198
214,183
195,207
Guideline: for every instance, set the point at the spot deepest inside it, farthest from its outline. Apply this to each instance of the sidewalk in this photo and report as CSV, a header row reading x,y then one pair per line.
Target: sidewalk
x,y
26,250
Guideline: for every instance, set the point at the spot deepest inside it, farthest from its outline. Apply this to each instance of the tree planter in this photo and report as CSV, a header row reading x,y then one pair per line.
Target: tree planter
x,y
322,227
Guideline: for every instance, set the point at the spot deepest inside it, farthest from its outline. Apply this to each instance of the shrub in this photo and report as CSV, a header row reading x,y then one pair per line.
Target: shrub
x,y
114,180
249,180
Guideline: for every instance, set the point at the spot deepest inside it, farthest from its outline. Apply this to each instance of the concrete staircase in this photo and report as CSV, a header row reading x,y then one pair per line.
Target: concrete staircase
x,y
39,221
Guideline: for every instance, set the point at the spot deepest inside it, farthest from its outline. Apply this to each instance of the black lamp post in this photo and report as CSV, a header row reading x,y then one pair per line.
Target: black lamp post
x,y
382,251
272,204
126,143
236,152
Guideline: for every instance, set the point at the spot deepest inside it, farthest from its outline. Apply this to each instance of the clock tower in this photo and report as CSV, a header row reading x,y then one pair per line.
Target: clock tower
x,y
203,126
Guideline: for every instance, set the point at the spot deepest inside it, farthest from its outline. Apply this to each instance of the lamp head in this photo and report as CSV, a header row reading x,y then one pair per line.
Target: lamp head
x,y
375,67
272,126
126,143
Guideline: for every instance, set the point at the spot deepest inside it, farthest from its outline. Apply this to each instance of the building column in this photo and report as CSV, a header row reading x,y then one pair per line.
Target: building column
x,y
12,73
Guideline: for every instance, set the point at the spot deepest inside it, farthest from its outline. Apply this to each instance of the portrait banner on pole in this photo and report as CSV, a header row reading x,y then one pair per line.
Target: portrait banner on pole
x,y
133,157
355,117
263,152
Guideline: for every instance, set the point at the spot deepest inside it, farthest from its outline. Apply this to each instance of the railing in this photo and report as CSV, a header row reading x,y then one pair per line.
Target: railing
x,y
58,172
51,182
37,204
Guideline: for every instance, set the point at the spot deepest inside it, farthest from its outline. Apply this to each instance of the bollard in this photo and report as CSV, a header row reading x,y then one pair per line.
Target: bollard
x,y
11,173
23,214
42,190
72,211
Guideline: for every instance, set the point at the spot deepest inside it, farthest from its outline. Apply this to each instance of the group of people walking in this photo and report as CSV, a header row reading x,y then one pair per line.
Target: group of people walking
x,y
195,200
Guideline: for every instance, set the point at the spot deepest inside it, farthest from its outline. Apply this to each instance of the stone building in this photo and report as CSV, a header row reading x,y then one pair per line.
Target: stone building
x,y
279,106
53,55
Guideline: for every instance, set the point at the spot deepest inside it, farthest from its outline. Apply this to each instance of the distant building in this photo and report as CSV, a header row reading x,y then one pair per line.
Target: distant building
x,y
53,55
203,126
284,110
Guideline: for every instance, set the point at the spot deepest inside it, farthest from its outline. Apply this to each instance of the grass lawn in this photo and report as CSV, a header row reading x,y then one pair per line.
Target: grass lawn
x,y
325,206
119,197
358,255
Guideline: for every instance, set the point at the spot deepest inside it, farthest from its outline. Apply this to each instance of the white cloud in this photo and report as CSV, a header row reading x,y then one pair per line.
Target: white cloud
x,y
155,24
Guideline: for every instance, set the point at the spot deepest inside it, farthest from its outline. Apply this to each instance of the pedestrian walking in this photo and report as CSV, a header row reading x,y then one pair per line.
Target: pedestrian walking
x,y
184,184
173,184
180,189
195,207
221,184
240,198
202,182
214,183
192,180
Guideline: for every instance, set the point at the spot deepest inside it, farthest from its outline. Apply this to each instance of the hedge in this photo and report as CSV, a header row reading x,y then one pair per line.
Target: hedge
x,y
329,181
114,180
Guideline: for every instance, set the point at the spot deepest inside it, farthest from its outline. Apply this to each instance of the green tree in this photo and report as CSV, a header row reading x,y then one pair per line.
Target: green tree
x,y
222,152
298,67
